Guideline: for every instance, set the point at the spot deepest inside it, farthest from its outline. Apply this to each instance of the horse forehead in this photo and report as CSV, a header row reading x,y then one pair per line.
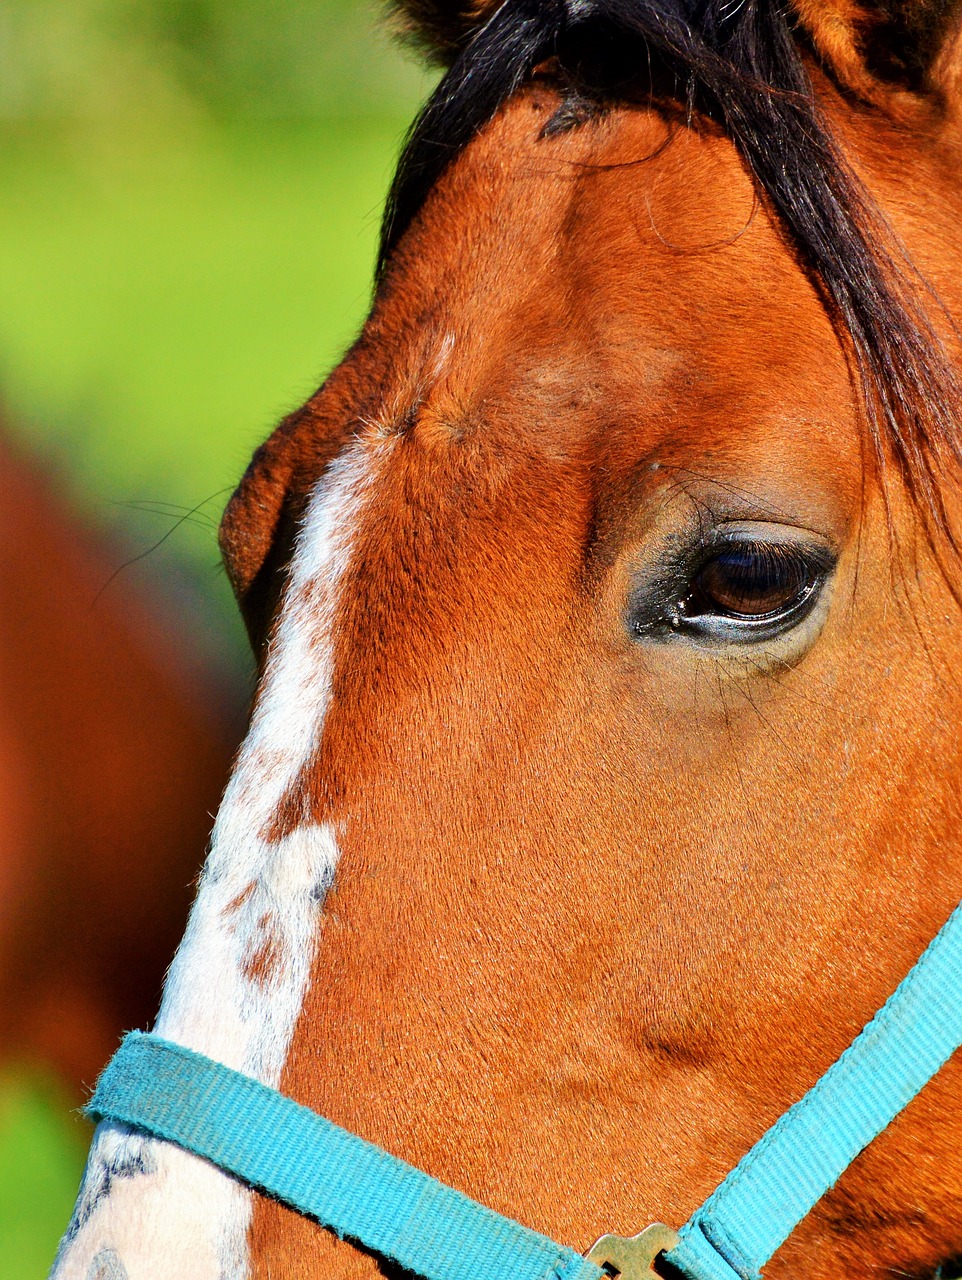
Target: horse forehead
x,y
625,261
581,301
529,208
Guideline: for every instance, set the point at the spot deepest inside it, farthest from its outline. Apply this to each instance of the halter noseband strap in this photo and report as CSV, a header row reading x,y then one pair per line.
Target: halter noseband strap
x,y
397,1211
312,1165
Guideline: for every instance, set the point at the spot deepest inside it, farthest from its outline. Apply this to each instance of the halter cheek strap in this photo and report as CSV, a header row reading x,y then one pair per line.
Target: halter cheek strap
x,y
808,1149
397,1211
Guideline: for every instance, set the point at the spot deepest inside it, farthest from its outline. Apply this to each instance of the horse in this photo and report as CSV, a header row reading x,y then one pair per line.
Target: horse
x,y
604,773
111,756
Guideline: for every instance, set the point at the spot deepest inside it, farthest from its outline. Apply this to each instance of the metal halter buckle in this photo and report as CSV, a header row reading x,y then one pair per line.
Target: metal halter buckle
x,y
633,1257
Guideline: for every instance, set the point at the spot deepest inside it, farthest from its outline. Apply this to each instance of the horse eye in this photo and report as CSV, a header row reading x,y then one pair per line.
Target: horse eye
x,y
746,584
751,582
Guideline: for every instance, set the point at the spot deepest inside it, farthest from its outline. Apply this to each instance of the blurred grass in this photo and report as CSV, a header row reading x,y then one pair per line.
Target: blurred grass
x,y
42,1147
100,59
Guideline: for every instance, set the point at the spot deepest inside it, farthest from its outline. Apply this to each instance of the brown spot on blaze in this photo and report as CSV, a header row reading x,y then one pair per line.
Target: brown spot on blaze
x,y
264,962
239,899
292,812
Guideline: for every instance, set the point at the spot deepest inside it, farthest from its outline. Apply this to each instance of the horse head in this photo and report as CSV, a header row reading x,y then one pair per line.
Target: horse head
x,y
603,775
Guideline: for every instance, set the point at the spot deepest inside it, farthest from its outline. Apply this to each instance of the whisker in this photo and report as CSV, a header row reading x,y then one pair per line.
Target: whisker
x,y
188,514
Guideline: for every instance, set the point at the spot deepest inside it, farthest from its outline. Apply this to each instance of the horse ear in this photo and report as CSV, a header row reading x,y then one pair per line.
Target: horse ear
x,y
881,49
440,28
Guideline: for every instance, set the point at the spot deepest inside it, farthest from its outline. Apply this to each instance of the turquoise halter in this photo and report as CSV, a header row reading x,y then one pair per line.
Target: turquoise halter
x,y
393,1209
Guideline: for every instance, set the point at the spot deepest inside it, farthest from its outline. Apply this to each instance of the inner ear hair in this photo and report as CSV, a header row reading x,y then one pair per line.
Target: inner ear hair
x,y
889,52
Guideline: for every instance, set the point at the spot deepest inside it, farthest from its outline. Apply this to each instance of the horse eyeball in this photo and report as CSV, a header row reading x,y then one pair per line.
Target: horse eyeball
x,y
751,580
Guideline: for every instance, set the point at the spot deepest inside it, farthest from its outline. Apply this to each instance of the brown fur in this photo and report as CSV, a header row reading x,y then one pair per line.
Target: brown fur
x,y
110,762
604,911
893,53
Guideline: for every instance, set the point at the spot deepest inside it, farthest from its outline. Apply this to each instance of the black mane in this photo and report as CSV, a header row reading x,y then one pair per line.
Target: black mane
x,y
739,62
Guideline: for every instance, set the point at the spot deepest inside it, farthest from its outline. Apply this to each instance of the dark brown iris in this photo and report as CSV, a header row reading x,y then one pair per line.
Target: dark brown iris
x,y
751,580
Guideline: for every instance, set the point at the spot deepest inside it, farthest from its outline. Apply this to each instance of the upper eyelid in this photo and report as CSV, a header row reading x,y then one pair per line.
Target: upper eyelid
x,y
684,560
765,533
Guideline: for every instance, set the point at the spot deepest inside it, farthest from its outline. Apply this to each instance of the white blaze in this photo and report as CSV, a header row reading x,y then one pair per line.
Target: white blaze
x,y
147,1210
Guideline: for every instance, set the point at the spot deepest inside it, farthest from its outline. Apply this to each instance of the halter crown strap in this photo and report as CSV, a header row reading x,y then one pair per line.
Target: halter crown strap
x,y
362,1192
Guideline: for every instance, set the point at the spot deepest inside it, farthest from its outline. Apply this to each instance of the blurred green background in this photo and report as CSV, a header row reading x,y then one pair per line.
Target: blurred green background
x,y
189,200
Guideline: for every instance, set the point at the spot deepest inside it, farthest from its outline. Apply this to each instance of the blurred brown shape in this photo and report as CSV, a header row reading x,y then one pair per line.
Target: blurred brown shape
x,y
113,755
